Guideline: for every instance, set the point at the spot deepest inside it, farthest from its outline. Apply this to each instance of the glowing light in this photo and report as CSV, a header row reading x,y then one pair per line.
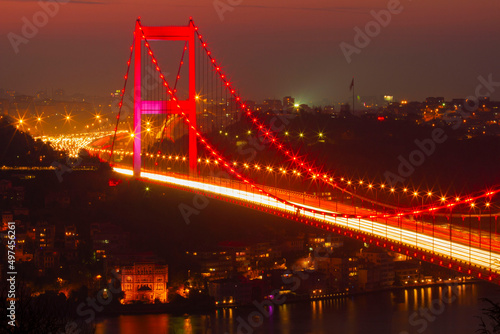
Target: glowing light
x,y
461,252
264,129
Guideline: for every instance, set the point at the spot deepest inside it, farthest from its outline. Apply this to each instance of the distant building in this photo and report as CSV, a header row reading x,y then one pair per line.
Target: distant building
x,y
458,103
108,239
5,186
22,252
325,242
41,95
274,105
58,94
341,272
145,282
376,269
329,109
46,259
23,99
7,217
57,199
263,255
18,194
216,265
434,100
231,291
250,104
406,272
288,102
4,107
70,237
294,245
45,235
345,111
71,242
305,108
21,211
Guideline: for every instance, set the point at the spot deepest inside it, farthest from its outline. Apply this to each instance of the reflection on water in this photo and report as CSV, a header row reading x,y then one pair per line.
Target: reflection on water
x,y
444,309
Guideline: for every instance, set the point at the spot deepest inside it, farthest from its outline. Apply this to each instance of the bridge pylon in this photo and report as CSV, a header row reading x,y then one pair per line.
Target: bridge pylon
x,y
143,107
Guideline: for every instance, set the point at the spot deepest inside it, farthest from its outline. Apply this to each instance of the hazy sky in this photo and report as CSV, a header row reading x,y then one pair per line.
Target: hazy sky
x,y
268,48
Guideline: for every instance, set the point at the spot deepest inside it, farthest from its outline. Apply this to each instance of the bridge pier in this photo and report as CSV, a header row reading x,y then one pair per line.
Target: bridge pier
x,y
188,107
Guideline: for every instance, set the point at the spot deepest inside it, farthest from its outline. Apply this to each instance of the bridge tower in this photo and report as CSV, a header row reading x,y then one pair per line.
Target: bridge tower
x,y
172,33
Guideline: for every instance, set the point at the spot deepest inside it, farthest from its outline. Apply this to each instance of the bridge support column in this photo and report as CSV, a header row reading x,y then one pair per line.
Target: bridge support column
x,y
174,33
137,101
193,152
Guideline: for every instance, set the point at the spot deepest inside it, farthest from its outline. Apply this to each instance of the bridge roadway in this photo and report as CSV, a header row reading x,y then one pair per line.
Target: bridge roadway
x,y
445,241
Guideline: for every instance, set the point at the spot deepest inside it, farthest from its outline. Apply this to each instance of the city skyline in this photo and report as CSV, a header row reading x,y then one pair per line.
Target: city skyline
x,y
419,50
162,175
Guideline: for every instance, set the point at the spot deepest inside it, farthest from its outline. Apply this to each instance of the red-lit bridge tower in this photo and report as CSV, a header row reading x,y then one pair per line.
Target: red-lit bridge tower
x,y
172,33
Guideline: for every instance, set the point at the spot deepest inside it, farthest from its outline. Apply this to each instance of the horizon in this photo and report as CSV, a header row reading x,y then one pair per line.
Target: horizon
x,y
311,53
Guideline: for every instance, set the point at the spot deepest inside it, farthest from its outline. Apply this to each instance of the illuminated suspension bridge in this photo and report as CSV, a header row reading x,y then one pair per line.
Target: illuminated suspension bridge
x,y
178,116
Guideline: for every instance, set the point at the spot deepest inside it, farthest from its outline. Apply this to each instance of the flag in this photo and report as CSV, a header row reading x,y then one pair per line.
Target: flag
x,y
352,84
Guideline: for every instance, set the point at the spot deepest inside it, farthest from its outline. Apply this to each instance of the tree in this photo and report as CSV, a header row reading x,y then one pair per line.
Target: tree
x,y
490,320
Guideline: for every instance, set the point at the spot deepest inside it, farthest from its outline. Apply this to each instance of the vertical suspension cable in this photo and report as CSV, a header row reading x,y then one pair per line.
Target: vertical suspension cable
x,y
120,104
214,112
143,142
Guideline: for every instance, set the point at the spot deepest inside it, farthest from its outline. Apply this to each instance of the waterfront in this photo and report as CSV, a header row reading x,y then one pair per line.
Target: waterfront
x,y
438,309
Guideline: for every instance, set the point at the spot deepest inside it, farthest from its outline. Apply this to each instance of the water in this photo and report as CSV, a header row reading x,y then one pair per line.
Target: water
x,y
446,309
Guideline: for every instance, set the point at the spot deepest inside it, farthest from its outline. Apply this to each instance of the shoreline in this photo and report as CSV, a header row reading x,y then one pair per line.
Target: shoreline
x,y
189,308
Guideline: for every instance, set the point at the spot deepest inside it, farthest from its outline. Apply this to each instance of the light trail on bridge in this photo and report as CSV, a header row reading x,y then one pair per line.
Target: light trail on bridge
x,y
456,246
74,143
468,256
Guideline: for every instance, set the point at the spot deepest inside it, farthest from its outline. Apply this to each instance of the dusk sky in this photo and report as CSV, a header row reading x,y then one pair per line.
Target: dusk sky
x,y
269,49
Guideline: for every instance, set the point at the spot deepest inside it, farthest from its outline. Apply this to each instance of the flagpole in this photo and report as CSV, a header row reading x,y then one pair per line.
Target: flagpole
x,y
353,95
